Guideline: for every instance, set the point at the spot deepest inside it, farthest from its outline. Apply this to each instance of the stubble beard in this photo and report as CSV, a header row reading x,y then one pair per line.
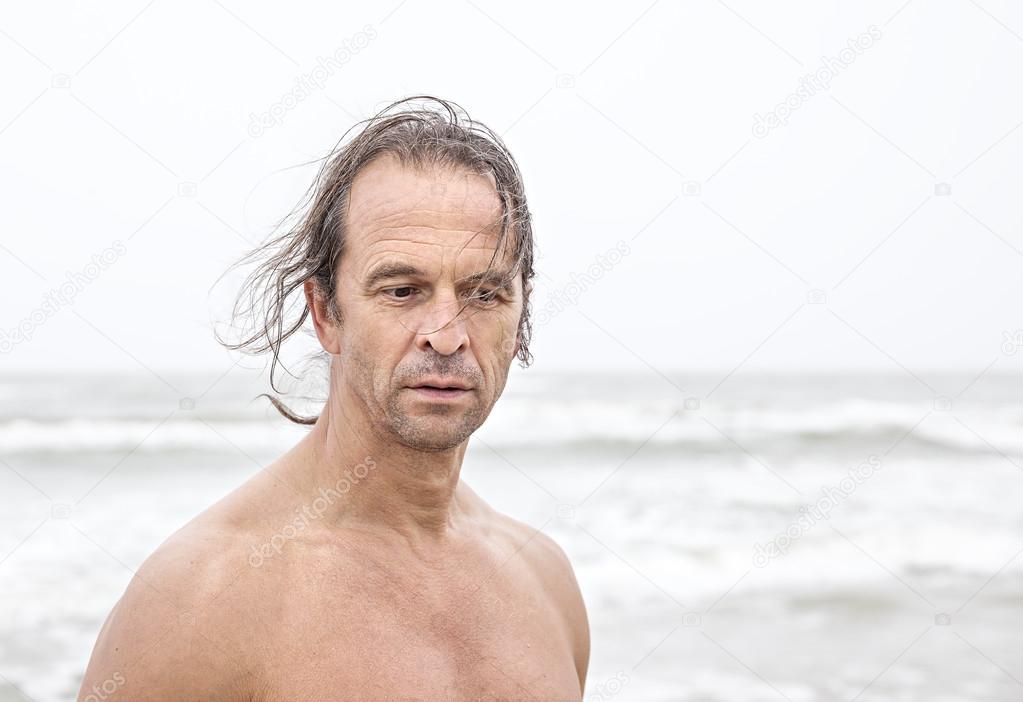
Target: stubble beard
x,y
442,427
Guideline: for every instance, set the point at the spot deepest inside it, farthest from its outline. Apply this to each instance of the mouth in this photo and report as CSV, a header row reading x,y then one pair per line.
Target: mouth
x,y
441,389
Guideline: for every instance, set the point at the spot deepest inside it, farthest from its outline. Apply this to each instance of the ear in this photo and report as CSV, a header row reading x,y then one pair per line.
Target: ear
x,y
326,331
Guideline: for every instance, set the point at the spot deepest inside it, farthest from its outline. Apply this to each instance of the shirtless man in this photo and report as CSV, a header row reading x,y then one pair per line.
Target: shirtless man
x,y
358,566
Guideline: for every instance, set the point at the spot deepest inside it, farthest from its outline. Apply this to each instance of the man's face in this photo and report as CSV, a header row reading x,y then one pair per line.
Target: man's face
x,y
401,331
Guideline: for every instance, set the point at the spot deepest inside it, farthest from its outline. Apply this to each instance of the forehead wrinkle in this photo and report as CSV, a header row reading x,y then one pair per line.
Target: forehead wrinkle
x,y
453,219
411,214
412,247
385,204
431,234
410,244
451,260
385,227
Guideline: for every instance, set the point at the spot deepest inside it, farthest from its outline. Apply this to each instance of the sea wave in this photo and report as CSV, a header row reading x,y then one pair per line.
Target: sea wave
x,y
535,424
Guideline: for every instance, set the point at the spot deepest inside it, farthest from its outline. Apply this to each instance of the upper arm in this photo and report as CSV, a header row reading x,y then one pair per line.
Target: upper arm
x,y
160,644
580,625
563,586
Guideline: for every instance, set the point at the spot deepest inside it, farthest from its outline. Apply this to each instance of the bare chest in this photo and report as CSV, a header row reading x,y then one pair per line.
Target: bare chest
x,y
387,639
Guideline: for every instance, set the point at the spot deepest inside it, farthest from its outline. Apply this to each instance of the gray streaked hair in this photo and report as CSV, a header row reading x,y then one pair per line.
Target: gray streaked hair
x,y
422,132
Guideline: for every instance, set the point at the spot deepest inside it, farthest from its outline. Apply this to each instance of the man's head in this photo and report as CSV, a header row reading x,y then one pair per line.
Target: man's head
x,y
415,258
413,309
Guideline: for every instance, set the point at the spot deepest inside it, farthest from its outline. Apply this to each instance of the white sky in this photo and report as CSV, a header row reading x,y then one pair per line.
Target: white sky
x,y
650,97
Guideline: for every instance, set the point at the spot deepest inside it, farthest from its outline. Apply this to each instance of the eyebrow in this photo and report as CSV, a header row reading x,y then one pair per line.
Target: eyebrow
x,y
390,269
499,279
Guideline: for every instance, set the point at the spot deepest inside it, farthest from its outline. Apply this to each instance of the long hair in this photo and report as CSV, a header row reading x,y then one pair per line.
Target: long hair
x,y
421,131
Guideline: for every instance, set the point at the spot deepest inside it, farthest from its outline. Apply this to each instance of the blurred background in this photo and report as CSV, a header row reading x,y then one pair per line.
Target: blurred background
x,y
776,413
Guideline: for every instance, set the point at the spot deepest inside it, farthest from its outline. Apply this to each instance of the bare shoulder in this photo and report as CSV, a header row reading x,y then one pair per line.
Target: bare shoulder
x,y
554,575
540,550
549,562
175,632
517,538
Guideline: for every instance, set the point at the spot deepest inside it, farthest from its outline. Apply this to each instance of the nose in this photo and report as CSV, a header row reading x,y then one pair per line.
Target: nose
x,y
442,328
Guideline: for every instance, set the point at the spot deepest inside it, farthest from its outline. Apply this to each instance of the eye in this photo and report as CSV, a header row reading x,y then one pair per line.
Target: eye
x,y
402,293
485,296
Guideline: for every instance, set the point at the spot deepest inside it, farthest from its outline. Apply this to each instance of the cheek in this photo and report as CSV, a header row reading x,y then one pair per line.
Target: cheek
x,y
510,331
509,335
365,351
495,344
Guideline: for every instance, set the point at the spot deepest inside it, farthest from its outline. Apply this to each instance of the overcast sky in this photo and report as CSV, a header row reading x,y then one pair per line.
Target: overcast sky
x,y
874,223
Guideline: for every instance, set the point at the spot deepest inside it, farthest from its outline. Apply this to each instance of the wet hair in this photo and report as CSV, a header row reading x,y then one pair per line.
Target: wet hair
x,y
422,132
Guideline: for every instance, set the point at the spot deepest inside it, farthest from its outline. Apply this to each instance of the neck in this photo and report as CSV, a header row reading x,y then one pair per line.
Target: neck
x,y
372,481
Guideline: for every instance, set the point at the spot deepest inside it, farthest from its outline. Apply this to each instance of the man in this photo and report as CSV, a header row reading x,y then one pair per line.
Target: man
x,y
358,565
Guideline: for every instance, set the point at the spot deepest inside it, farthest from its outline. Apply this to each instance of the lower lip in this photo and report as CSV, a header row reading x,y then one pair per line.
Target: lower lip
x,y
441,394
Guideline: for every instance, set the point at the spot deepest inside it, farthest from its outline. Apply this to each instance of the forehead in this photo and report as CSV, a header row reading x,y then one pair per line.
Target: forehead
x,y
427,212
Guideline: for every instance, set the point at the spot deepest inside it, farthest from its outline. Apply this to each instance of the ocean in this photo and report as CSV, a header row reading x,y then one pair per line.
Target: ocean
x,y
796,538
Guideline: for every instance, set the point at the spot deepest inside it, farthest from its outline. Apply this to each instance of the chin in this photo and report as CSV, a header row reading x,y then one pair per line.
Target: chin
x,y
434,432
433,441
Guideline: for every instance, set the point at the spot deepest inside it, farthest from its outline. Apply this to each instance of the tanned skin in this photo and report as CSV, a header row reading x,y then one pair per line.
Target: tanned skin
x,y
359,566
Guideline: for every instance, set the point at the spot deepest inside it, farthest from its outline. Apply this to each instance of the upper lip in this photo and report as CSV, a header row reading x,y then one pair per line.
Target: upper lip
x,y
442,383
